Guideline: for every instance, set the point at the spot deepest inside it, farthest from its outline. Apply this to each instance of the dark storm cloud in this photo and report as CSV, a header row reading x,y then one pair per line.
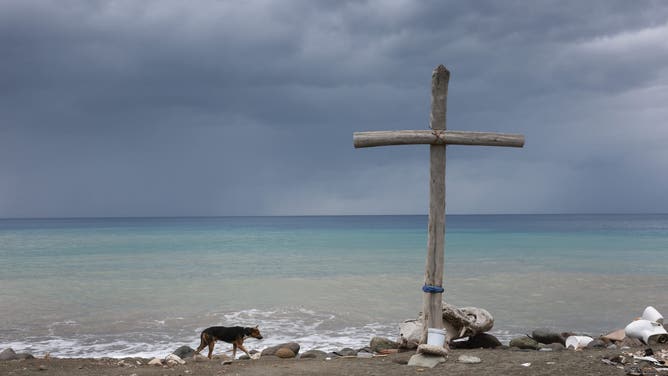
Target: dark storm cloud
x,y
215,107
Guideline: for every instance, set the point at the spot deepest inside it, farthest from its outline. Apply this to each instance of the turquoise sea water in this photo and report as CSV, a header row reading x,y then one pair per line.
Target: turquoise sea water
x,y
126,287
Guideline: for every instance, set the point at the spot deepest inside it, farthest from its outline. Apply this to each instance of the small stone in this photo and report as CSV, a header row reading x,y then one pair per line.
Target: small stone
x,y
379,343
596,344
294,346
313,354
184,352
347,351
633,370
388,351
556,346
525,343
632,343
615,335
364,354
428,361
467,359
174,358
155,362
285,353
547,336
42,367
7,354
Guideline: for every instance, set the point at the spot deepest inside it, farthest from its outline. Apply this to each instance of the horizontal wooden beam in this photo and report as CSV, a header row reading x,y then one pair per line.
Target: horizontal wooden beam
x,y
436,137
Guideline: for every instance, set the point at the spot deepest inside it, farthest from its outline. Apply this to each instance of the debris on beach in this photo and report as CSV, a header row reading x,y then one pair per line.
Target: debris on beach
x,y
643,362
578,342
648,328
468,359
458,323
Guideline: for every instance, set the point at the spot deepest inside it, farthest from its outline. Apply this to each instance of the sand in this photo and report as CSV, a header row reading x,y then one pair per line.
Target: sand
x,y
494,362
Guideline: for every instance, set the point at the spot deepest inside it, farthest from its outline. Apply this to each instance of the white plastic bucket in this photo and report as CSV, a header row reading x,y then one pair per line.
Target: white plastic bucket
x,y
435,337
648,331
578,342
651,314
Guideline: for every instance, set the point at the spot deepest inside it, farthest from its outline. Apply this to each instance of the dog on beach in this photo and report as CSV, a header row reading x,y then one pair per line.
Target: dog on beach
x,y
234,335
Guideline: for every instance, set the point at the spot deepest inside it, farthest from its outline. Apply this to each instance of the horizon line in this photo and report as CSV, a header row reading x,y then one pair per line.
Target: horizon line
x,y
325,215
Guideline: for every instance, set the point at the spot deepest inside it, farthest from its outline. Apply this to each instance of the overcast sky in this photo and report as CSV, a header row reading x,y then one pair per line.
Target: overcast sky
x,y
175,108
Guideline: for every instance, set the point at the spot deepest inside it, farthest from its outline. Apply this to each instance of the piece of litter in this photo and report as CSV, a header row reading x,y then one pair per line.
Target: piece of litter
x,y
467,359
647,359
525,364
550,363
328,358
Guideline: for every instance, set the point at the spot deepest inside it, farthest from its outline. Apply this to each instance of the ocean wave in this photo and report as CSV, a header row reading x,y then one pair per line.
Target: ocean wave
x,y
312,330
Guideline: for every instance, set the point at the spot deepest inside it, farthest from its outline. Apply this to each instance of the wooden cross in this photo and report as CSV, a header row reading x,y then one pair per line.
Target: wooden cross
x,y
437,138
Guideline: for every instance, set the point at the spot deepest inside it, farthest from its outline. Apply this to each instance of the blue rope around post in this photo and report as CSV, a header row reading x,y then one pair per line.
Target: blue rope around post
x,y
432,289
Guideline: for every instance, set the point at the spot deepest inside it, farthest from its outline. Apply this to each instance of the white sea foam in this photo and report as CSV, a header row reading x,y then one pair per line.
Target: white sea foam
x,y
312,330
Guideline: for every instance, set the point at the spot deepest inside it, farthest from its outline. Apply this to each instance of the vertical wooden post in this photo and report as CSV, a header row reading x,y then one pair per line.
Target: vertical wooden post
x,y
433,306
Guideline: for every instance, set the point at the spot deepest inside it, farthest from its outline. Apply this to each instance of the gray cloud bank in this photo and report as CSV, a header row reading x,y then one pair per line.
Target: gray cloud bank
x,y
168,108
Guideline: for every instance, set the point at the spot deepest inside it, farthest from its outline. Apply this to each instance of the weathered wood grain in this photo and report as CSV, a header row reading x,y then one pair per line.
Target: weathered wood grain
x,y
435,137
432,302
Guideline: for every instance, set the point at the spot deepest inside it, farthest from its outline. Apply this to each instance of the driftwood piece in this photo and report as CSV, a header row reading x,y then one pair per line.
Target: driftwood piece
x,y
458,323
465,322
433,350
435,137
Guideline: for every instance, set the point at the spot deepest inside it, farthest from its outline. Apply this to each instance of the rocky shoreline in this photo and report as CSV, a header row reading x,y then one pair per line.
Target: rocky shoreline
x,y
541,352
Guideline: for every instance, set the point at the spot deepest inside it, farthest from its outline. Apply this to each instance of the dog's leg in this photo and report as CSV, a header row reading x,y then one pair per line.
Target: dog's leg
x,y
234,350
241,346
211,344
202,344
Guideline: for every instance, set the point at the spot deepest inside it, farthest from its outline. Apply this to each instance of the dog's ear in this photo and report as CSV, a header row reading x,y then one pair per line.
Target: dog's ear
x,y
256,326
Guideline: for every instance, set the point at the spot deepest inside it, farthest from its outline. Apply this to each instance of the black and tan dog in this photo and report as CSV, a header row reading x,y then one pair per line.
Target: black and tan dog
x,y
234,335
